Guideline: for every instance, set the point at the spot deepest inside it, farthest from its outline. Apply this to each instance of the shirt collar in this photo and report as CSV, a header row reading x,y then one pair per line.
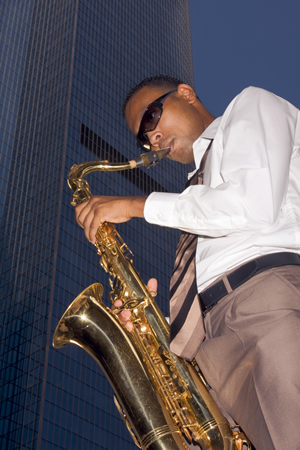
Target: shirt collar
x,y
200,145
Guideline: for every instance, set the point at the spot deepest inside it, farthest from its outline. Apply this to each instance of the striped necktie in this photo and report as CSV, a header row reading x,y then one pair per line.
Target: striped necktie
x,y
186,321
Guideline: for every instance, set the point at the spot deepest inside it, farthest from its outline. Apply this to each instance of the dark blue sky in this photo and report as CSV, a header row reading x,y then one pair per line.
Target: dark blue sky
x,y
238,43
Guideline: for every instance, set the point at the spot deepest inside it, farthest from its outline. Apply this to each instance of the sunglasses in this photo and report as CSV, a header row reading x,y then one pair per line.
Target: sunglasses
x,y
150,120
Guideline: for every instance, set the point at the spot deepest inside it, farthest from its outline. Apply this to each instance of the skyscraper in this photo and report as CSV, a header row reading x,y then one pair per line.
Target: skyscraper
x,y
67,65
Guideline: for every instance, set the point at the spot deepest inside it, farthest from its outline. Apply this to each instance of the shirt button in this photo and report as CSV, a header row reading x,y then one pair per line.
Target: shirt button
x,y
200,223
159,216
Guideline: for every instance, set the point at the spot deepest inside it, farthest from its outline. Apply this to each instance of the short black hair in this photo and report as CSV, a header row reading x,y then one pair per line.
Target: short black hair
x,y
163,81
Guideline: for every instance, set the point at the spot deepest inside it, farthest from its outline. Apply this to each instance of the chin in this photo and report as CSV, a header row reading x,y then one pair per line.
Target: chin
x,y
182,159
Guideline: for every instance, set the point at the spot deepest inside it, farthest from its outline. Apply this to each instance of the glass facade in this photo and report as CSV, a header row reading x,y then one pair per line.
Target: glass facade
x,y
67,65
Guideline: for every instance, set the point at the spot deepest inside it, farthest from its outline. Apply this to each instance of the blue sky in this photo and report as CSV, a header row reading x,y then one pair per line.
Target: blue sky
x,y
238,43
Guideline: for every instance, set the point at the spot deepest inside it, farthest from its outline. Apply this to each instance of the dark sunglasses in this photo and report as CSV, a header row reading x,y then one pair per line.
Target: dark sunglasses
x,y
150,120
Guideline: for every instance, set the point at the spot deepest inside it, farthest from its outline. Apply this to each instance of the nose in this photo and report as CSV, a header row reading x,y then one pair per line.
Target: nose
x,y
154,138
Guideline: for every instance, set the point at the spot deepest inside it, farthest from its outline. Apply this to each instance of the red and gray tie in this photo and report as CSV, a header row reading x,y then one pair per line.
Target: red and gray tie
x,y
186,321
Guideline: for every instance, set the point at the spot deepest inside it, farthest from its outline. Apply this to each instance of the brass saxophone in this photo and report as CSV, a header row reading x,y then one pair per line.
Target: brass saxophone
x,y
163,399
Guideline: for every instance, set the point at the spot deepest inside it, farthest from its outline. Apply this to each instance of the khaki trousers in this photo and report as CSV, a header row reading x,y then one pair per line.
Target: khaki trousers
x,y
251,357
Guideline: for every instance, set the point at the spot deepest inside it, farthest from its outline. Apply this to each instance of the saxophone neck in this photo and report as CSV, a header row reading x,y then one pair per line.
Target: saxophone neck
x,y
80,187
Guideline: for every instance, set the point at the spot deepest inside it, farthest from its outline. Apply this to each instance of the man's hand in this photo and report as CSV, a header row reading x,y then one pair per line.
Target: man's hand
x,y
99,209
125,315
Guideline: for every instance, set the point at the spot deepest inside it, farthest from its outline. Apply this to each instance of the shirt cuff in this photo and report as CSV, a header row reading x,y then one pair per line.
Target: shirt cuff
x,y
159,209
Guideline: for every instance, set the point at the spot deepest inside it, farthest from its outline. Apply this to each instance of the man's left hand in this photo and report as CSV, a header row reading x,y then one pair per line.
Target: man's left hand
x,y
99,209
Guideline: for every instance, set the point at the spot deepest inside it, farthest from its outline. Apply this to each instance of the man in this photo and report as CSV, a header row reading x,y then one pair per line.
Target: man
x,y
245,217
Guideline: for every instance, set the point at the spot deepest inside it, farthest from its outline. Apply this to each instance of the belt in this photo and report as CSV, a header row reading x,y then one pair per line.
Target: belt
x,y
213,294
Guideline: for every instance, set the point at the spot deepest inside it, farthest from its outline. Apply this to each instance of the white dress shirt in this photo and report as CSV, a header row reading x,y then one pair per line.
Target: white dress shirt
x,y
249,204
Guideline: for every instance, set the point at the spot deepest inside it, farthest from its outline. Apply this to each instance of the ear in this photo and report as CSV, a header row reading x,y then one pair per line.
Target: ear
x,y
186,92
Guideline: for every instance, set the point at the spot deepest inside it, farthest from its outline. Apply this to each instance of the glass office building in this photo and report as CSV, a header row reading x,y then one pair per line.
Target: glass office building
x,y
66,66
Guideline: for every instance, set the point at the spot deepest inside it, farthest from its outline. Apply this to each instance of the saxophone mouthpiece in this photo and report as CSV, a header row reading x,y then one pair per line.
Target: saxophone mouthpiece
x,y
150,159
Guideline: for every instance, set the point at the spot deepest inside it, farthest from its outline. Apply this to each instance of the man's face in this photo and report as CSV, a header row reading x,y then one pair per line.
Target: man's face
x,y
181,122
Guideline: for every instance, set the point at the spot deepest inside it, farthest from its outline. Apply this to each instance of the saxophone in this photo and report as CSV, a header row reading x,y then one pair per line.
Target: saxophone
x,y
163,399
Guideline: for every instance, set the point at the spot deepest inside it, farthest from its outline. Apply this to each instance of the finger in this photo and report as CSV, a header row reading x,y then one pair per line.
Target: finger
x,y
84,216
152,286
94,218
117,304
129,326
78,213
124,318
93,227
125,315
89,217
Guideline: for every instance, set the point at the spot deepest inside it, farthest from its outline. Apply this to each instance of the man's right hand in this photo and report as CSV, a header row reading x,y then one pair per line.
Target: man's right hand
x,y
125,315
